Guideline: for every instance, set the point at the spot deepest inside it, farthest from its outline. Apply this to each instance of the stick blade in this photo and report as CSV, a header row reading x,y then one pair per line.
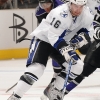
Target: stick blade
x,y
11,88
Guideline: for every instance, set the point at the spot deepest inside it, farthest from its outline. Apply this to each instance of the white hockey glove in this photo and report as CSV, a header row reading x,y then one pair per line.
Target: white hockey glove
x,y
79,40
69,53
96,35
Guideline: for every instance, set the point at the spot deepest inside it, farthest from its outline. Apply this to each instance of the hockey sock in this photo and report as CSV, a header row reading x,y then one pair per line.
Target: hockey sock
x,y
24,84
60,79
74,83
21,88
55,64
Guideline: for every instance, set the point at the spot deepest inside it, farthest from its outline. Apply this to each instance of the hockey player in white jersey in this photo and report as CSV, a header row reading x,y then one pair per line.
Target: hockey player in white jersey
x,y
75,31
55,33
92,59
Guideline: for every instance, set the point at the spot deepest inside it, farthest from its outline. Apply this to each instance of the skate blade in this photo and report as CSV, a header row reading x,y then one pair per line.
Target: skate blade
x,y
44,97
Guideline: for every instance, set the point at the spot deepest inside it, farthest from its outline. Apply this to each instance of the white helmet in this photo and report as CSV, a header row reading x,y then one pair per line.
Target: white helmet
x,y
79,2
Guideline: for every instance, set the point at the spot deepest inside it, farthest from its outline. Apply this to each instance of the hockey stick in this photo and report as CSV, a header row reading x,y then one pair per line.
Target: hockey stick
x,y
11,87
67,76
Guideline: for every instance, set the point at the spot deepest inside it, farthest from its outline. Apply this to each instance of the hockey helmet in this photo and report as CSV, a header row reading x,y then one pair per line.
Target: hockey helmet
x,y
78,2
45,1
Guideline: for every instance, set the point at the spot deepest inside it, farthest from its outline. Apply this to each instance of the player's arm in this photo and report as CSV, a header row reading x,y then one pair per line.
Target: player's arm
x,y
85,34
55,36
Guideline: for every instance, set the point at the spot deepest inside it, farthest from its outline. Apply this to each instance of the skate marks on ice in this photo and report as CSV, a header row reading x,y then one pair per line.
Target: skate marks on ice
x,y
11,70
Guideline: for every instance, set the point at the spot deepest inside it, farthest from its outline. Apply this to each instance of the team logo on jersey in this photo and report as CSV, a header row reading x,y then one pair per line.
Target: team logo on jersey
x,y
64,14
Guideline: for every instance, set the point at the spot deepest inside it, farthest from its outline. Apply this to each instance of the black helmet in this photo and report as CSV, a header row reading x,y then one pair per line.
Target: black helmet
x,y
45,1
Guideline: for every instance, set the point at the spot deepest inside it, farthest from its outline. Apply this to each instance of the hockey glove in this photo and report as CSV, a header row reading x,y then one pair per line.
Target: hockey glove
x,y
96,35
69,53
80,40
96,24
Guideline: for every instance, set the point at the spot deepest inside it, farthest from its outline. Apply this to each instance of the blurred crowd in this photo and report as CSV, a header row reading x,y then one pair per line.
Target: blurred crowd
x,y
21,4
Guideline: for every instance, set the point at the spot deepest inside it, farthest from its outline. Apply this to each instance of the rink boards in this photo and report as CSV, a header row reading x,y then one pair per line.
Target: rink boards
x,y
16,25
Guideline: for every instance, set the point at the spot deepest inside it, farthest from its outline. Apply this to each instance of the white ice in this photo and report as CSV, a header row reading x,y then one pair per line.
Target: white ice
x,y
11,70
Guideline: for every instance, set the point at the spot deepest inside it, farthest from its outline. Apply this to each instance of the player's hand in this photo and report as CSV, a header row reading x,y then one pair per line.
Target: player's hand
x,y
80,40
69,53
96,35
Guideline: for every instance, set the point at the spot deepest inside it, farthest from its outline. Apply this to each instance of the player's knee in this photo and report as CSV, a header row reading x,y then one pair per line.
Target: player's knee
x,y
77,68
27,79
36,69
33,73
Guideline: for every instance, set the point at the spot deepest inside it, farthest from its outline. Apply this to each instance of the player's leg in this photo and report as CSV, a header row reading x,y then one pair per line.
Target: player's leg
x,y
36,62
55,91
92,62
75,71
60,77
59,82
88,69
55,64
57,67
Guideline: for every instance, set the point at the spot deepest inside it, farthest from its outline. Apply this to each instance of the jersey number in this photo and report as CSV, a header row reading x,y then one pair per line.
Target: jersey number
x,y
56,23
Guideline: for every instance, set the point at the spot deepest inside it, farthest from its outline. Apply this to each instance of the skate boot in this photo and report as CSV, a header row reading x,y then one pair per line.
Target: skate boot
x,y
53,94
45,92
14,97
50,85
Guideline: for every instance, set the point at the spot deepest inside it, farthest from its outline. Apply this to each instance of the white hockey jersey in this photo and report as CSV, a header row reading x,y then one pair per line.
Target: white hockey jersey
x,y
92,4
60,25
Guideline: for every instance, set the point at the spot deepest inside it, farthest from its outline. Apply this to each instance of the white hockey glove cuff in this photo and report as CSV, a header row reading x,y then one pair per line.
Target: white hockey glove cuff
x,y
79,40
69,53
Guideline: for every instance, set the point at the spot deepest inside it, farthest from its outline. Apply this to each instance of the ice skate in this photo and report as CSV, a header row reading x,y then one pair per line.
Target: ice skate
x,y
45,92
52,94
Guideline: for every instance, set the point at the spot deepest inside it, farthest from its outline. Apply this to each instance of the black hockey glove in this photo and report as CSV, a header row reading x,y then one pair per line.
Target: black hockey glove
x,y
96,35
96,24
